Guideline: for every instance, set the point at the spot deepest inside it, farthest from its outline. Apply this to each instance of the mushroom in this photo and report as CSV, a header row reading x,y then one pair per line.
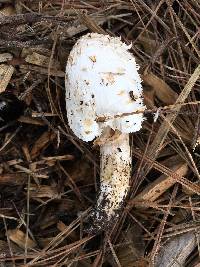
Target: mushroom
x,y
104,99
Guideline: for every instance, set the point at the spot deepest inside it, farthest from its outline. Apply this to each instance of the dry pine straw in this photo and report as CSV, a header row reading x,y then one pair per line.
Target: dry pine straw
x,y
49,178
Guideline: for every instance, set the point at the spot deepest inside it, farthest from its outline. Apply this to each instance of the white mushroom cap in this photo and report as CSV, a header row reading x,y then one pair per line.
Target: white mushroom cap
x,y
102,81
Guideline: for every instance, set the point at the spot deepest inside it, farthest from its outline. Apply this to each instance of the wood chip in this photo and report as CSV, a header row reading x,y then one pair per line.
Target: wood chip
x,y
59,158
41,60
43,191
5,57
92,24
31,120
7,11
12,179
42,142
162,90
87,23
37,49
148,43
19,238
154,190
41,70
6,72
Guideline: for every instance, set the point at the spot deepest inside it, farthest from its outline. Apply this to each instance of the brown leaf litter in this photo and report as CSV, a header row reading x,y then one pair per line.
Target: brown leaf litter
x,y
49,178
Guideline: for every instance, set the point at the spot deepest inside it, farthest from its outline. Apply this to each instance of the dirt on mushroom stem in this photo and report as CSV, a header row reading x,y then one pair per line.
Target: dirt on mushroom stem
x,y
115,172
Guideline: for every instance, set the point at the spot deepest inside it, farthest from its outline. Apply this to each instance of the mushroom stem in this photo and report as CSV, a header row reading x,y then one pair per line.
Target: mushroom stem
x,y
115,171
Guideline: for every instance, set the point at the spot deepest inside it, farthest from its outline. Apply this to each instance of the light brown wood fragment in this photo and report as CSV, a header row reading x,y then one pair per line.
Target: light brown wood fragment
x,y
6,72
41,70
31,120
30,172
41,143
59,158
64,228
12,179
165,127
7,11
41,50
154,190
162,90
43,191
41,60
5,57
61,226
148,42
19,238
87,22
149,97
92,23
26,152
11,162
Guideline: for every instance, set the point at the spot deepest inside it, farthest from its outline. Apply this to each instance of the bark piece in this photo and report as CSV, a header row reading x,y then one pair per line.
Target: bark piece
x,y
175,251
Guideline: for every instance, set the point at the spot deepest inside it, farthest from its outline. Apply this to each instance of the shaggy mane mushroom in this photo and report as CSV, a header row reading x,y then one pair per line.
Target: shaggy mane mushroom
x,y
103,88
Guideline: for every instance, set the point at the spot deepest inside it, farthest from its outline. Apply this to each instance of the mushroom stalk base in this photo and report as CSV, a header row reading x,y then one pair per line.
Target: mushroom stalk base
x,y
115,171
